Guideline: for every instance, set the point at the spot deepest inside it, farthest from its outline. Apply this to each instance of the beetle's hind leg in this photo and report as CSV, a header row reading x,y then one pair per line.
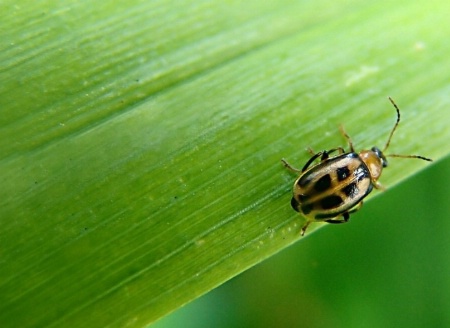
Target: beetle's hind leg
x,y
345,215
324,155
308,163
290,167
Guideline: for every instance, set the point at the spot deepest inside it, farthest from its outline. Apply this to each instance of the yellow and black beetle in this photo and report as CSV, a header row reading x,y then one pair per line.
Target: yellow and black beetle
x,y
332,189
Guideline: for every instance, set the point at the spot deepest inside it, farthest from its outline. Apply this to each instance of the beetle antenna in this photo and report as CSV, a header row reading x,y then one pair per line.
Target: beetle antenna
x,y
392,133
410,156
395,126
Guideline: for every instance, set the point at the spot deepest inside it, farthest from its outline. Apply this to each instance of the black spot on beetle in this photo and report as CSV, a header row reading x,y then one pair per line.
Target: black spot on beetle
x,y
351,190
342,173
323,183
307,208
330,202
294,204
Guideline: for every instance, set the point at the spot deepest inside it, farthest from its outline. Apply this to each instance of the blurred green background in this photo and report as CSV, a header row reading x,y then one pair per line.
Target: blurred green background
x,y
389,267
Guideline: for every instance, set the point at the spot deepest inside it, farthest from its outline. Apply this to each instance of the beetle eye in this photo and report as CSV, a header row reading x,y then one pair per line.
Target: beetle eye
x,y
379,153
376,151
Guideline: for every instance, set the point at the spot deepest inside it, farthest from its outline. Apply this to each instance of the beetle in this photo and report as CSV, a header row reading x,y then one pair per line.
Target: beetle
x,y
332,189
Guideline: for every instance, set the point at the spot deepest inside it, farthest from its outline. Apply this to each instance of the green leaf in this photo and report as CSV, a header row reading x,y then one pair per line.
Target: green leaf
x,y
141,141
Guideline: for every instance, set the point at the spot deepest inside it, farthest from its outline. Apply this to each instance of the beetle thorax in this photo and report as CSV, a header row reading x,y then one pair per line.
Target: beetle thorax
x,y
375,161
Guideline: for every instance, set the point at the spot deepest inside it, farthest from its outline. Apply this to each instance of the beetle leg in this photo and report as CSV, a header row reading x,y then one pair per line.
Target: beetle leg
x,y
290,167
308,163
356,208
378,185
325,155
312,159
328,152
305,226
322,154
336,221
346,216
346,136
311,151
